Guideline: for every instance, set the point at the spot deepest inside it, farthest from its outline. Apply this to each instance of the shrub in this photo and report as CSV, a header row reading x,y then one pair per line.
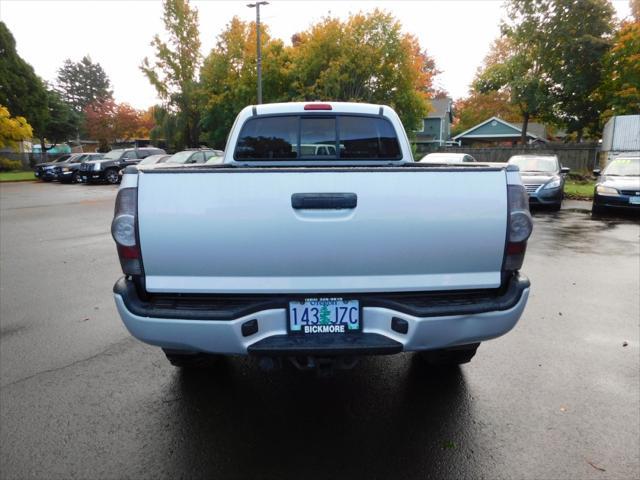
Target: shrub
x,y
6,164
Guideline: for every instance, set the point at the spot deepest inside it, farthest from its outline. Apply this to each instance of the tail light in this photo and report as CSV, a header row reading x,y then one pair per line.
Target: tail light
x,y
318,106
519,227
124,230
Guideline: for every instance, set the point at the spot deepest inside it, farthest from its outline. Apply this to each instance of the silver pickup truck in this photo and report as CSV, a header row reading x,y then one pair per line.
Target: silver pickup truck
x,y
320,240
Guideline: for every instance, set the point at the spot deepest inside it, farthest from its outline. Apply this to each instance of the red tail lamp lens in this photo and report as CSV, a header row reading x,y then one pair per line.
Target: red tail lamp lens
x,y
318,106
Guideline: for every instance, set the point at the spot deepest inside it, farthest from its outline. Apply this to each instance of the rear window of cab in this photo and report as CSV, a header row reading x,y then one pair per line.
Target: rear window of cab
x,y
317,137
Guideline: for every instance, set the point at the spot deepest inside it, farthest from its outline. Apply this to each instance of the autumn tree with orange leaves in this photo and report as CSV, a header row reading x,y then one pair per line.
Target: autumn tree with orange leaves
x,y
110,122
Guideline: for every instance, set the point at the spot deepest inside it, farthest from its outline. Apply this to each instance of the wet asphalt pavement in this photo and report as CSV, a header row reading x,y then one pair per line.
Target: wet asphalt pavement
x,y
558,397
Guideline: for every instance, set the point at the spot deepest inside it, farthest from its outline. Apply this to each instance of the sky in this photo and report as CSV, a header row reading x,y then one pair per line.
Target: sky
x,y
117,33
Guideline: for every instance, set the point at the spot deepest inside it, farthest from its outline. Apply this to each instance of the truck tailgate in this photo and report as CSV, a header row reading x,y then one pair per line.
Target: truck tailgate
x,y
236,231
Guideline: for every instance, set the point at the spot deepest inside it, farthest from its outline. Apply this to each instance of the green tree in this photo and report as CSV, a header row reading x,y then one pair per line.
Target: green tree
x,y
228,76
83,83
174,70
553,65
165,128
578,35
367,58
13,129
26,95
62,121
620,88
21,90
515,65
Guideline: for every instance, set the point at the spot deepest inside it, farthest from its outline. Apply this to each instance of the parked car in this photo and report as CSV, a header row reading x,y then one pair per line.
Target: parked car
x,y
107,168
158,159
44,171
216,159
192,156
447,158
151,161
67,172
322,261
618,186
543,177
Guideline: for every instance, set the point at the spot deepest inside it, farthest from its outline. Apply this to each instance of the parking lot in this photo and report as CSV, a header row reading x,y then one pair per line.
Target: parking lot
x,y
557,397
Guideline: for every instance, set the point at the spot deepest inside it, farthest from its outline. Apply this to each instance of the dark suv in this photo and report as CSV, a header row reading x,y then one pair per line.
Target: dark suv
x,y
106,169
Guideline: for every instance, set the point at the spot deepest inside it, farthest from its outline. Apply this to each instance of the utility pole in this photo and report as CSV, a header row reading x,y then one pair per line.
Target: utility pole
x,y
257,7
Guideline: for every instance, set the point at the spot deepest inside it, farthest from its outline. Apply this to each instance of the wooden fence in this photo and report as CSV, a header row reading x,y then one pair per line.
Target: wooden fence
x,y
580,157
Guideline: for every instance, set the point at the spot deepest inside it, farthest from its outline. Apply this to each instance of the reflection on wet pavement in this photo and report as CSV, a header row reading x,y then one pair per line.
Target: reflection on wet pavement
x,y
580,232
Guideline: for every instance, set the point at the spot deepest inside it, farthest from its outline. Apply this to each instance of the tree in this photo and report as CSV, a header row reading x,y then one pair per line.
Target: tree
x,y
553,64
165,127
174,71
21,90
109,122
578,38
26,95
620,88
83,83
99,122
635,9
146,123
477,107
62,121
367,58
12,129
515,64
228,76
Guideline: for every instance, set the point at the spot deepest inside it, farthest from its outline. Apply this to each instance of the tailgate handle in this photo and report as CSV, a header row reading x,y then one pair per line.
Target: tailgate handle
x,y
324,201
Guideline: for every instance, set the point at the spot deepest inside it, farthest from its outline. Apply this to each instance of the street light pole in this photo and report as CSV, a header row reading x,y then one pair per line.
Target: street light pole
x,y
257,7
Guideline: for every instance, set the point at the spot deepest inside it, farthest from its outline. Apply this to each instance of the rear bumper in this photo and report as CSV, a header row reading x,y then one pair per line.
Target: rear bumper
x,y
436,326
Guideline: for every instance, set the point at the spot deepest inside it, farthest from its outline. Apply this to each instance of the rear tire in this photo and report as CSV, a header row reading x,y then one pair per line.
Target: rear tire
x,y
191,360
449,356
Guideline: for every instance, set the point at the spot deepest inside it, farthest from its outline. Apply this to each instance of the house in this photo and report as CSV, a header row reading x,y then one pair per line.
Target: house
x,y
495,130
621,134
436,128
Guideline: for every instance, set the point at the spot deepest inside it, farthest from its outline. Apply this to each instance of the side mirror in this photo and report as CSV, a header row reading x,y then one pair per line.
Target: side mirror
x,y
565,170
596,172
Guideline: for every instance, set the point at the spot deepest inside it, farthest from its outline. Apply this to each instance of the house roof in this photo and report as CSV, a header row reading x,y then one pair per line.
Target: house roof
x,y
440,108
495,127
535,128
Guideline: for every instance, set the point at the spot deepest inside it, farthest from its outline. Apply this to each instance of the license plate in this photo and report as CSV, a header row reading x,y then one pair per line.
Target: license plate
x,y
634,200
324,315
